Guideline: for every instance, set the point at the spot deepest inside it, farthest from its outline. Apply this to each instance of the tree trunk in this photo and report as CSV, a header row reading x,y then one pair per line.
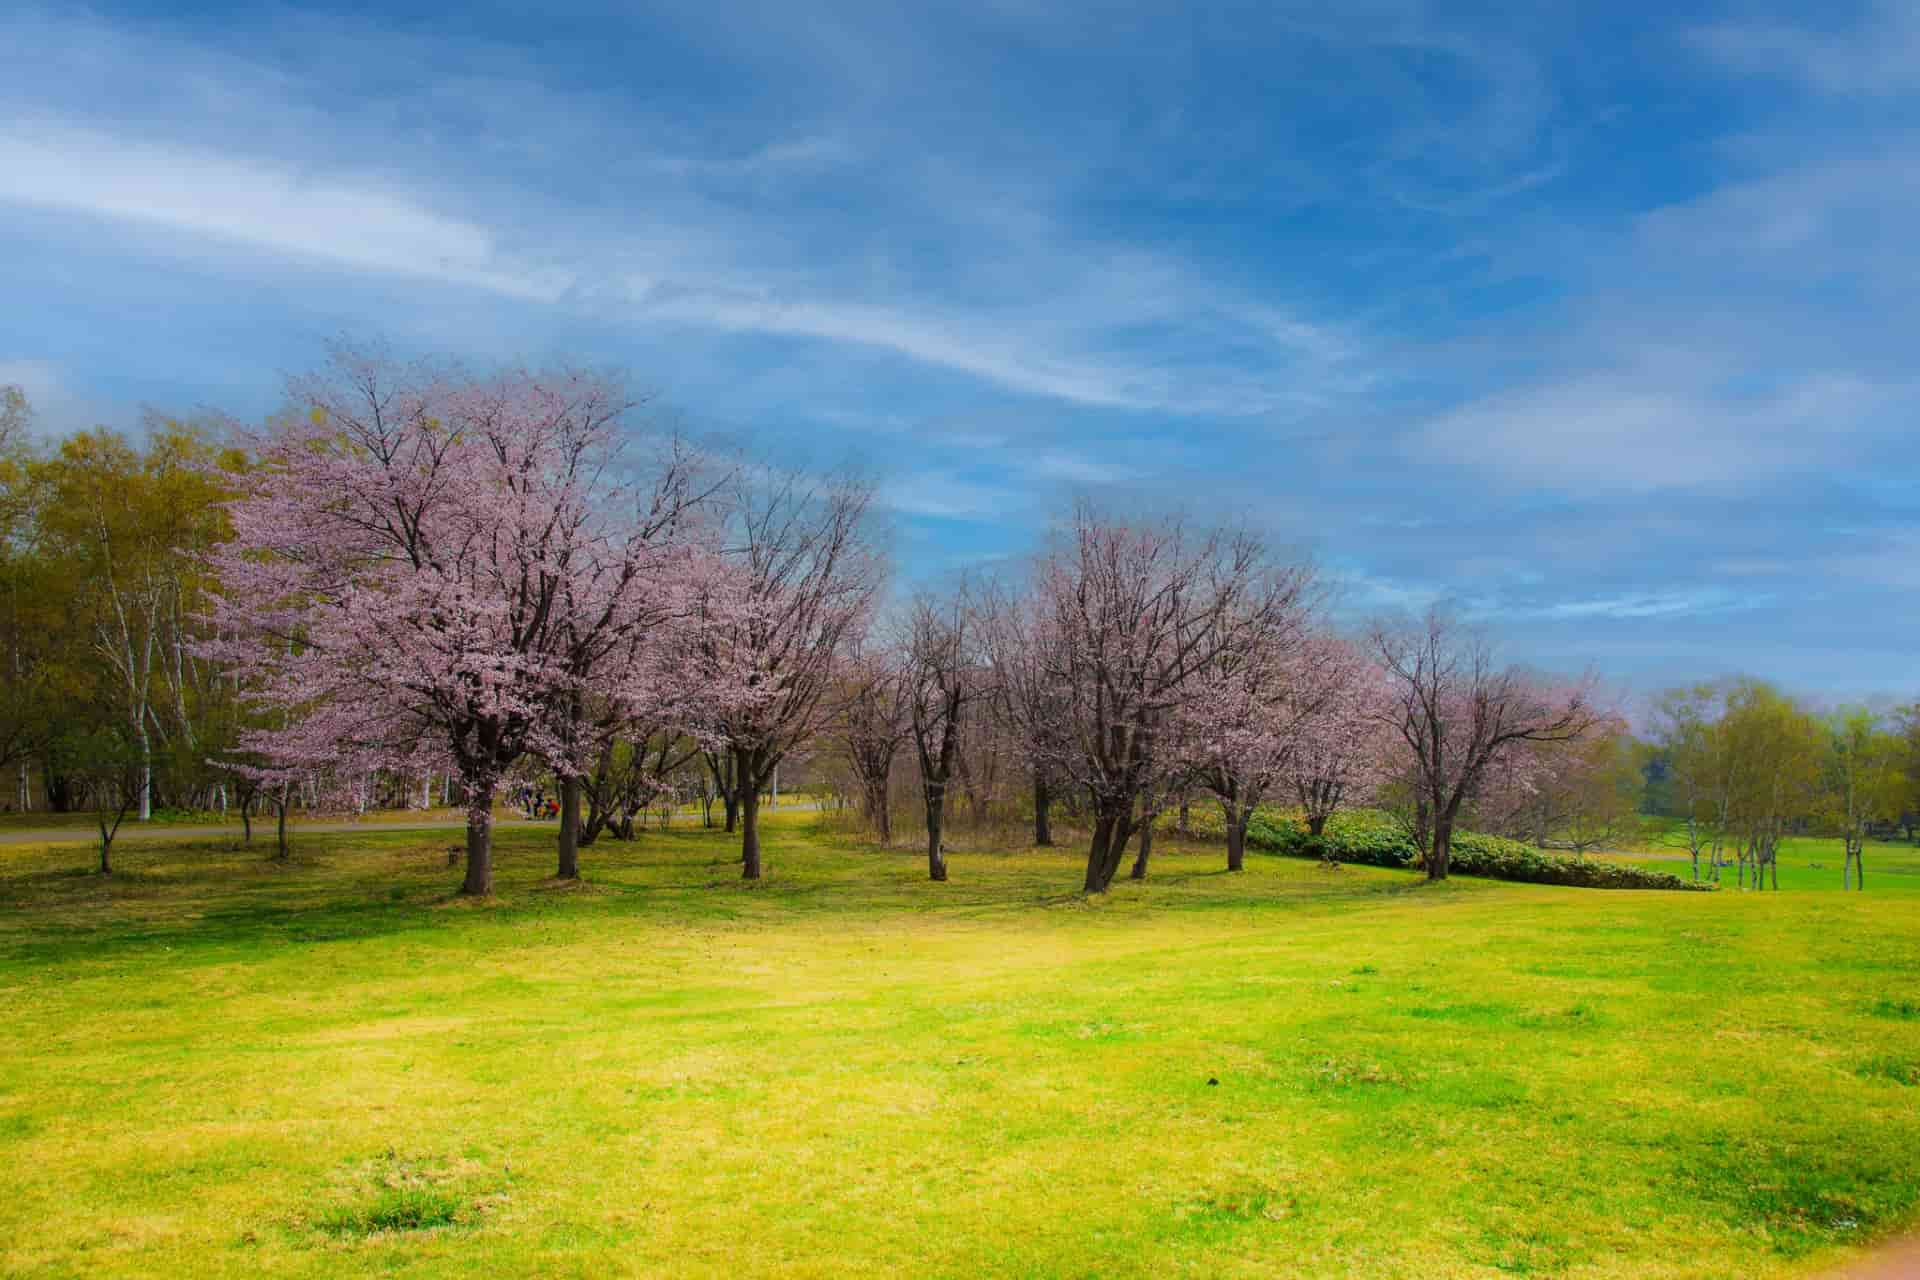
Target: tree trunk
x,y
246,819
1316,824
878,810
1441,851
1236,838
280,829
1112,828
936,814
732,802
146,768
1042,801
1097,878
1139,871
569,828
479,881
749,832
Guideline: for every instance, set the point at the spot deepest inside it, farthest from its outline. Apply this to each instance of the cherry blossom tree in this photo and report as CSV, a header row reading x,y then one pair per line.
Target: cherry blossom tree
x,y
1018,643
415,561
944,678
1128,618
1576,795
1243,719
795,583
619,619
1457,714
872,727
633,770
1344,749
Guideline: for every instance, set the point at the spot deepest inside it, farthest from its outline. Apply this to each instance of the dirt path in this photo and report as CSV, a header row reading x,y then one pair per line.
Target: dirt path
x,y
1898,1262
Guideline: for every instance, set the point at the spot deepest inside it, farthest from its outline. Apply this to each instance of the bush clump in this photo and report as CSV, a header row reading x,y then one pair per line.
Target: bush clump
x,y
1368,838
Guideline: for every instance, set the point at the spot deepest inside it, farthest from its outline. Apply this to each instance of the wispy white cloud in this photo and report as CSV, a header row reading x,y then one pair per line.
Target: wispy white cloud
x,y
363,223
1076,469
940,493
450,176
1670,603
1875,58
338,220
1657,427
934,340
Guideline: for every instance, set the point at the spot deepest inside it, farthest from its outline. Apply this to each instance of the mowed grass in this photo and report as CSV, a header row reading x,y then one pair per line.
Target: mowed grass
x,y
1806,862
214,1065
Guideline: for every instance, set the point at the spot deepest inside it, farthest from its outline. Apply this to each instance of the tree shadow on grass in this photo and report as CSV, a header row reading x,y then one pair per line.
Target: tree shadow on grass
x,y
218,902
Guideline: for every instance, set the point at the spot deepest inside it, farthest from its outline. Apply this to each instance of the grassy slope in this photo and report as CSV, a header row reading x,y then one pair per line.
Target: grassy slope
x,y
216,1066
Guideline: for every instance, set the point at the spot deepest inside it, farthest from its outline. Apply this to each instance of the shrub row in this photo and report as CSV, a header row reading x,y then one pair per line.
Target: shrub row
x,y
1371,839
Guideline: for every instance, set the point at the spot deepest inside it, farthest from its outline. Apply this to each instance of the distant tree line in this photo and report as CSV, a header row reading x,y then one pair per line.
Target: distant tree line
x,y
1743,764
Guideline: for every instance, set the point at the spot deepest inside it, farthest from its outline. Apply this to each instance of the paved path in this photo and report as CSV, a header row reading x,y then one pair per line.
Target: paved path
x,y
133,831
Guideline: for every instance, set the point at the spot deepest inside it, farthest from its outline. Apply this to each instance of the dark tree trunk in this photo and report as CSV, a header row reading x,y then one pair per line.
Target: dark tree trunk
x,y
749,772
1236,838
1097,854
1441,850
732,803
1316,824
1112,829
1042,801
936,815
280,827
246,820
1139,871
750,833
479,881
878,809
569,828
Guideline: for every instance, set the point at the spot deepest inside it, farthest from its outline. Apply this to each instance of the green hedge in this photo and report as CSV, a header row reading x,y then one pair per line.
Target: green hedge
x,y
1369,838
1349,838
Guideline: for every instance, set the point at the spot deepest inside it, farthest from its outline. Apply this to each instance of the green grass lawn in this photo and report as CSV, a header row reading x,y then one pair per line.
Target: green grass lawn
x,y
1806,862
214,1065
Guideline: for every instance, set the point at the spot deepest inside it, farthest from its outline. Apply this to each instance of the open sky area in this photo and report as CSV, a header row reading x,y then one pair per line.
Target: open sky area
x,y
1598,318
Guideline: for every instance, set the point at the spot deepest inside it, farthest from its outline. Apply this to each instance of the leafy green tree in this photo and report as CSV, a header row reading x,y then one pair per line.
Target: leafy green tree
x,y
127,527
1864,775
1774,755
1692,732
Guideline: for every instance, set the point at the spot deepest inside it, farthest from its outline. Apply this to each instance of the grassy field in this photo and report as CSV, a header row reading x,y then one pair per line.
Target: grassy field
x,y
214,1065
1806,862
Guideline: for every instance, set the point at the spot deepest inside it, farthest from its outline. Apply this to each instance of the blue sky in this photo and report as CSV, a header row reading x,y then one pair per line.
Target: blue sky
x,y
1599,319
